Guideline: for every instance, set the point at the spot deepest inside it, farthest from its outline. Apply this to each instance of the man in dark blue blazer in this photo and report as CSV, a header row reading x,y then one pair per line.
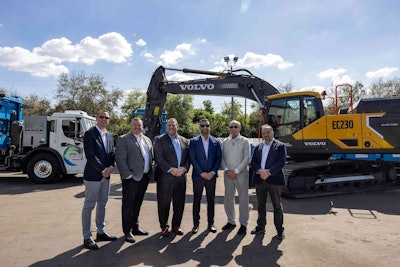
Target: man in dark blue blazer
x,y
205,155
268,160
99,150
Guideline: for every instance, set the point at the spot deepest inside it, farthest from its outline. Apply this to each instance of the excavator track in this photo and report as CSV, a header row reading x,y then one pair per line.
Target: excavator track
x,y
332,177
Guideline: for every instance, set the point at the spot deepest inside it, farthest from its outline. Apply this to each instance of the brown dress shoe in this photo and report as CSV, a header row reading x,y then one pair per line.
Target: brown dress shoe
x,y
164,231
177,231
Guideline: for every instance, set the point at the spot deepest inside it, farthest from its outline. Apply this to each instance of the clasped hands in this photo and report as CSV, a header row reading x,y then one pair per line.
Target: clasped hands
x,y
207,175
264,174
177,171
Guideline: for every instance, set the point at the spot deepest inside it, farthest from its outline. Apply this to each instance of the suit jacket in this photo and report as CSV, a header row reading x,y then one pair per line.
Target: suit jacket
x,y
129,158
97,157
198,156
165,156
275,162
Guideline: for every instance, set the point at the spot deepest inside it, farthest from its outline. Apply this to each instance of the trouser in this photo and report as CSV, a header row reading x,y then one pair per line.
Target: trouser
x,y
132,199
170,188
198,185
96,192
241,184
275,191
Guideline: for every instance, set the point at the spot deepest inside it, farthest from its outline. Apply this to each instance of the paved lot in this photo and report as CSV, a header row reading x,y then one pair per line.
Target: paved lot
x,y
40,226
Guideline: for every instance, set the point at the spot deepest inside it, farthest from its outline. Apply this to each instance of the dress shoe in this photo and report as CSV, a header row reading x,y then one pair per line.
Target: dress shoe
x,y
195,229
139,231
90,244
258,230
105,237
280,236
129,238
242,230
164,232
228,226
177,231
212,229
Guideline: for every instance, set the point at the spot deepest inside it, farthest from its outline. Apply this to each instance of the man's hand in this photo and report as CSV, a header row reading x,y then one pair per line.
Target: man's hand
x,y
231,174
264,174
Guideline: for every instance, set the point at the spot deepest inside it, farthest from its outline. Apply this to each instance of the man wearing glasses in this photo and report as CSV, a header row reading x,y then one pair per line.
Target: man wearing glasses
x,y
99,150
235,160
205,155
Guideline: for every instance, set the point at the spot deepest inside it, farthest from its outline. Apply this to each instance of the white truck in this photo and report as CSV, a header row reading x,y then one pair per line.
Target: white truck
x,y
44,147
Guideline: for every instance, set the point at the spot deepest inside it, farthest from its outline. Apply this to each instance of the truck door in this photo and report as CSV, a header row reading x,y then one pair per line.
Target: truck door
x,y
68,141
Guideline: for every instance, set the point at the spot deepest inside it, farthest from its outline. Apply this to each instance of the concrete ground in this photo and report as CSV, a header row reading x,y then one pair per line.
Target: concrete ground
x,y
40,226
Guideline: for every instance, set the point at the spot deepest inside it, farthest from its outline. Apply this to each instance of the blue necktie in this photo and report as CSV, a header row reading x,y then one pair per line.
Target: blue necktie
x,y
178,151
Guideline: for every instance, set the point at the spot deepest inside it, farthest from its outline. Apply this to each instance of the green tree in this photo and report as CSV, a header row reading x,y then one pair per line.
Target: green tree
x,y
79,91
208,106
36,105
135,100
227,109
385,88
181,108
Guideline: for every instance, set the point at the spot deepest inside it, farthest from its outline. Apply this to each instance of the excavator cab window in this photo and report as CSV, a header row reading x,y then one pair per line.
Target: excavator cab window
x,y
284,116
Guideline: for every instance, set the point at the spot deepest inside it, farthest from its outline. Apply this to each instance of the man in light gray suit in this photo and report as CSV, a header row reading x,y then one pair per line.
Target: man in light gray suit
x,y
134,157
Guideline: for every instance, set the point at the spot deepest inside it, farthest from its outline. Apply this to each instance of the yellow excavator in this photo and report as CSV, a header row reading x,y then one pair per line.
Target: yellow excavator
x,y
354,149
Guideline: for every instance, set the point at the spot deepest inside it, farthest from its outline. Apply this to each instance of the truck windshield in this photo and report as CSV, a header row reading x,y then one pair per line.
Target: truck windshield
x,y
87,124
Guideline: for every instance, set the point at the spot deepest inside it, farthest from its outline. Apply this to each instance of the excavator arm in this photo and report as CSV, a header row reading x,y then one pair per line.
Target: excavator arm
x,y
222,84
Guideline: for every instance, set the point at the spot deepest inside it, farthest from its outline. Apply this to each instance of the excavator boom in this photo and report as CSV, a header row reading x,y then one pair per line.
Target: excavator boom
x,y
223,84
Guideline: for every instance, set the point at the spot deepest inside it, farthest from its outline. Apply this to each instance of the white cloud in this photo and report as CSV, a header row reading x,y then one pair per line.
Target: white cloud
x,y
244,6
47,60
381,72
148,55
331,73
141,42
253,60
172,57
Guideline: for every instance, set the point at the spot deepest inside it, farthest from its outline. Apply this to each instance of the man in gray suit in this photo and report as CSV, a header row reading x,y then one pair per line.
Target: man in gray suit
x,y
134,157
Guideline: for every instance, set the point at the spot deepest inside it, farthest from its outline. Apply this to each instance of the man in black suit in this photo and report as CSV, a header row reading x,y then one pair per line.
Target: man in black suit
x,y
267,162
134,157
99,151
171,154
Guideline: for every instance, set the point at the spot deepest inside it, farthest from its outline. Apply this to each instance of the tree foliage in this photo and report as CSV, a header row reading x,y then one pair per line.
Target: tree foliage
x,y
36,105
181,108
385,88
79,91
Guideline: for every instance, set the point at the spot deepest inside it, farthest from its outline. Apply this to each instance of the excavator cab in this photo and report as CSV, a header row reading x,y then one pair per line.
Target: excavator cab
x,y
291,112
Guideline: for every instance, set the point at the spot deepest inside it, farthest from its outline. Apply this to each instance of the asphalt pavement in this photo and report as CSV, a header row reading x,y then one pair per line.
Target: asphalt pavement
x,y
41,226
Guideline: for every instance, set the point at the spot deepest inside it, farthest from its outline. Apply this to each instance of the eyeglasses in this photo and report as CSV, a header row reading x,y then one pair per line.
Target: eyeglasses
x,y
204,125
104,117
233,127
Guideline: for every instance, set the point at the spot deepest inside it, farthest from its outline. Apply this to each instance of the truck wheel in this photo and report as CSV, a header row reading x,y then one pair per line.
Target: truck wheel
x,y
43,168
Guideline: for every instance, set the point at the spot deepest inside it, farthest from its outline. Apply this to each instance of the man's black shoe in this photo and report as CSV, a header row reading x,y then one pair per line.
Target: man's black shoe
x,y
242,230
139,231
212,229
105,237
90,244
228,226
280,236
129,238
258,230
195,229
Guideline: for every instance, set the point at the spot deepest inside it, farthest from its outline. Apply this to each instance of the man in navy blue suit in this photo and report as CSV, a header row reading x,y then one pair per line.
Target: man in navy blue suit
x,y
99,150
205,155
268,160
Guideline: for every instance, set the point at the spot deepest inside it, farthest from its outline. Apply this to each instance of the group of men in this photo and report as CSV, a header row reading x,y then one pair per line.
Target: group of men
x,y
135,155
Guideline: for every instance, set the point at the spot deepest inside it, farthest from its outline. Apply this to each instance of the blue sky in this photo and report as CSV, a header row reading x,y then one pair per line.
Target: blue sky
x,y
313,44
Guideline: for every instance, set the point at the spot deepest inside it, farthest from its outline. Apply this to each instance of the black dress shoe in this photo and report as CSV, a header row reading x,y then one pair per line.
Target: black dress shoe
x,y
258,230
280,236
242,230
228,226
105,237
195,230
129,238
177,231
139,231
90,244
212,229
